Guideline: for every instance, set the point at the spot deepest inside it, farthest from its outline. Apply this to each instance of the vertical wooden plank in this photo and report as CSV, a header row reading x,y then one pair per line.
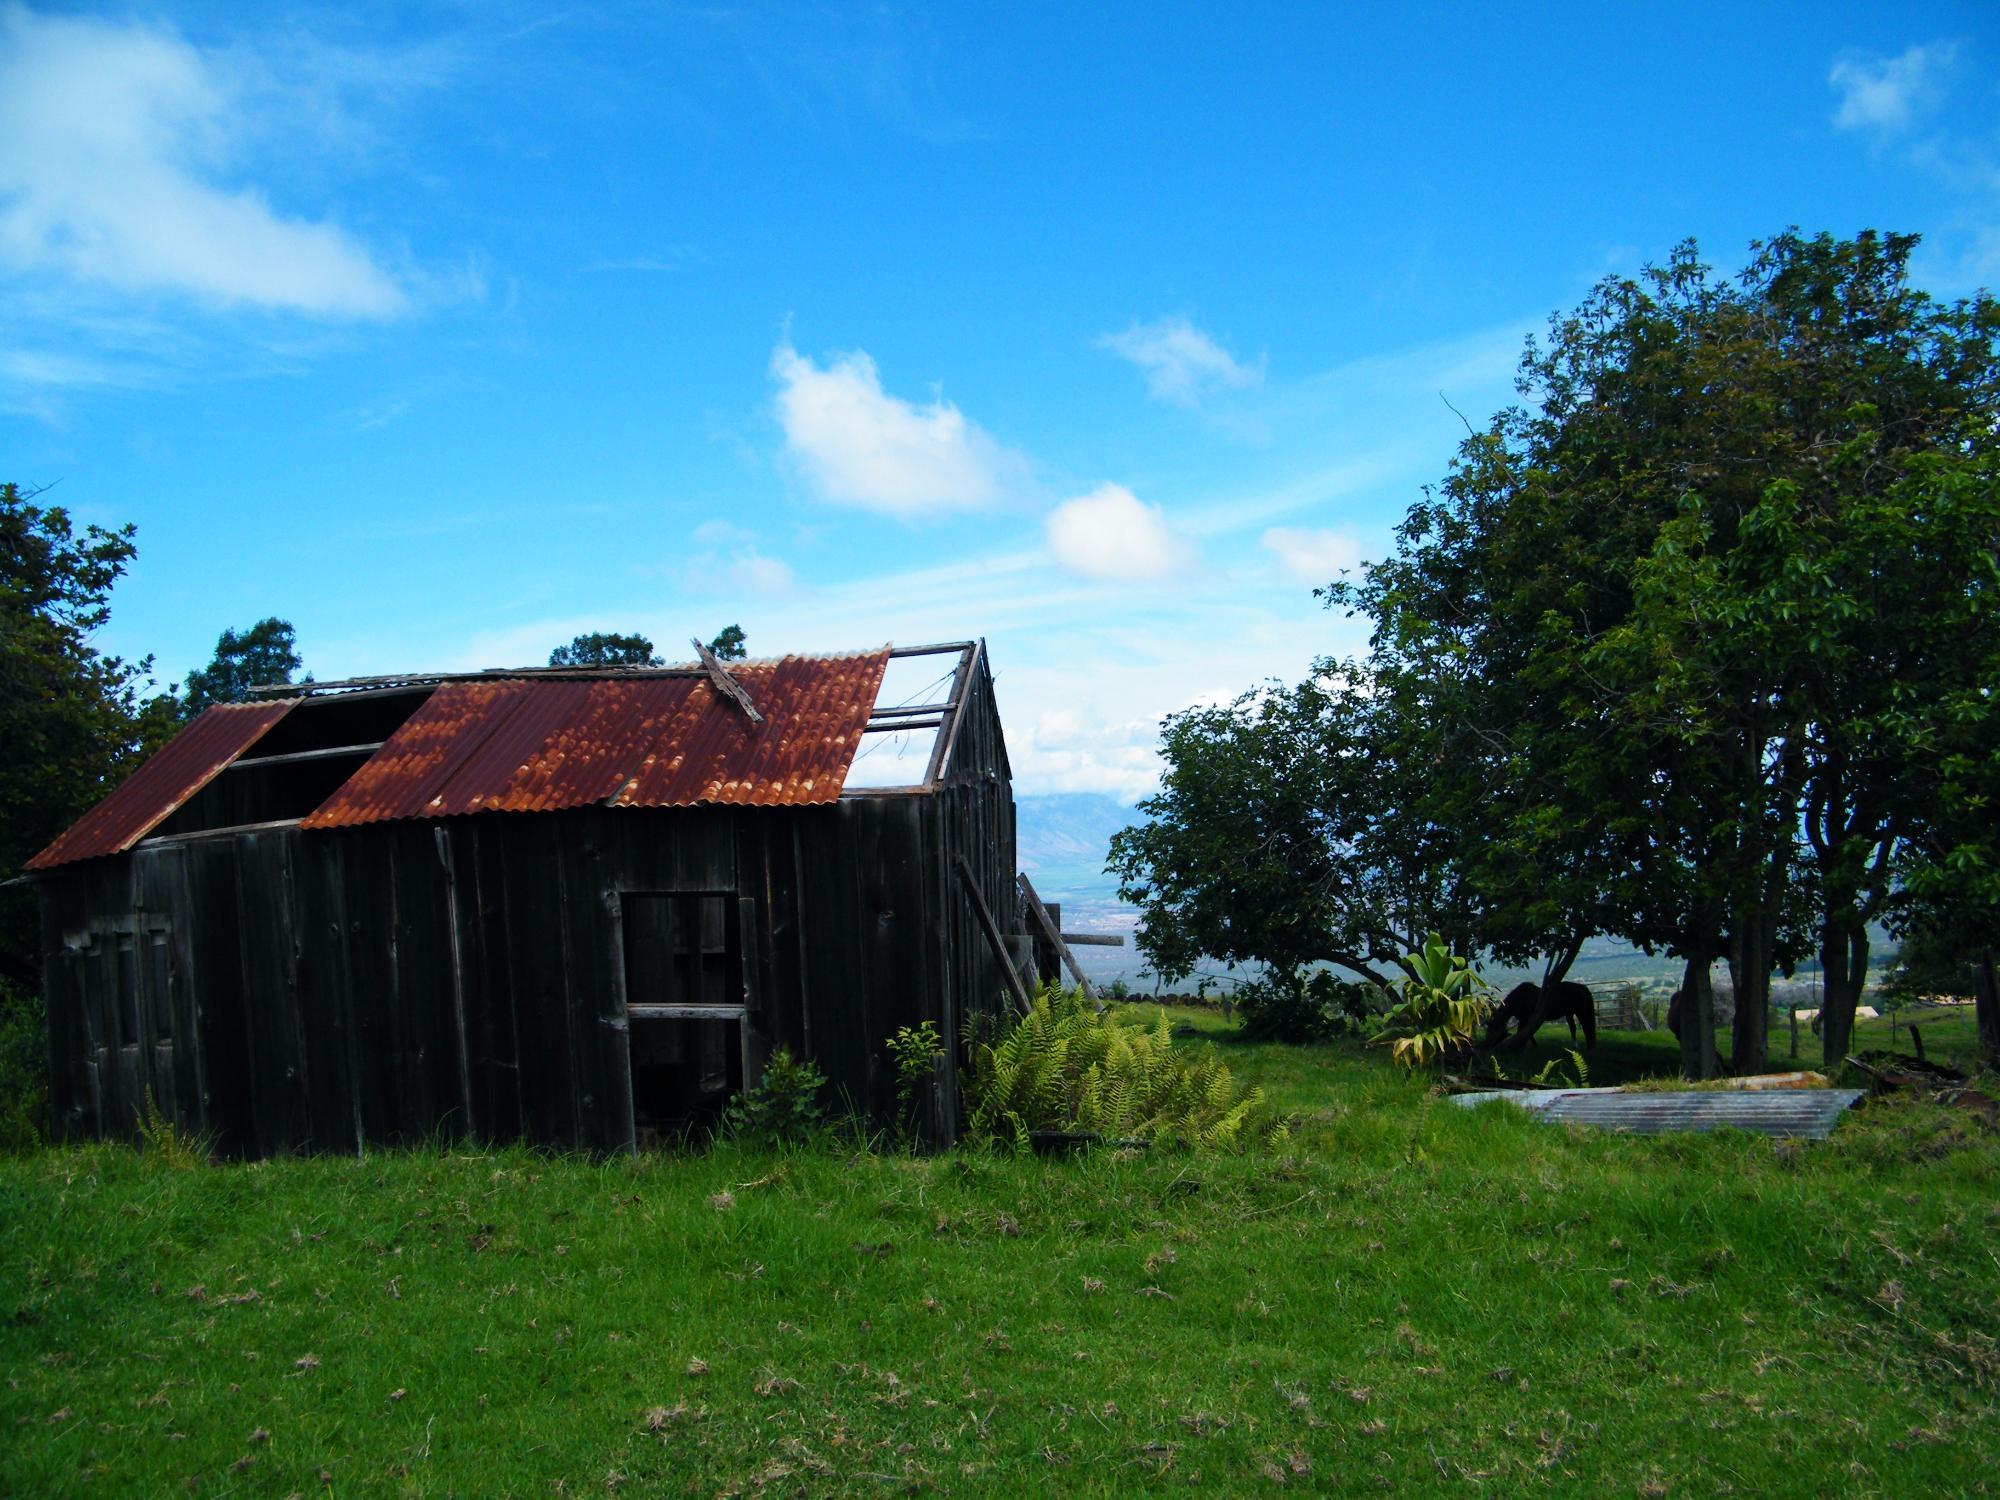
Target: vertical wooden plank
x,y
756,1036
222,1029
483,906
600,1053
534,959
354,857
188,1018
326,980
319,903
455,967
435,1065
580,1051
854,1013
278,1085
616,1024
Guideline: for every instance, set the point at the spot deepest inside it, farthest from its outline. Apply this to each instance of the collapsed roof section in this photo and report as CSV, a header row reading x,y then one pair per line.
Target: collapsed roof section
x,y
785,732
181,768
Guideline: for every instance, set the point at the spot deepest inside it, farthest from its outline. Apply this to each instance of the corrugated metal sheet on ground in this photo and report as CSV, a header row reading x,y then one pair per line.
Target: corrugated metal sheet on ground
x,y
179,769
1775,1112
539,744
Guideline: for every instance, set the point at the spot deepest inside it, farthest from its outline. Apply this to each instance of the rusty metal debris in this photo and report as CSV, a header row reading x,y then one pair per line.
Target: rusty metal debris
x,y
1891,1071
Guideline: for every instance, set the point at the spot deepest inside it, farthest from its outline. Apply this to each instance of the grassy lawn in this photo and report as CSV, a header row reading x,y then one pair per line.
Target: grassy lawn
x,y
1417,1295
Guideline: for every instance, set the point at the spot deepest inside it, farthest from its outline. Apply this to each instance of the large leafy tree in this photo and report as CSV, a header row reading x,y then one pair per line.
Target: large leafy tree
x,y
730,644
1671,654
1949,910
598,649
1288,831
1705,589
73,720
266,652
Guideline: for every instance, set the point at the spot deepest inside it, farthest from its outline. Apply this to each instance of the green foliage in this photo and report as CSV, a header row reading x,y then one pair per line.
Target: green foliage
x,y
1443,1006
784,1108
1290,830
24,1068
172,1146
1067,1066
1308,1007
598,649
914,1050
729,643
73,721
1550,1075
267,652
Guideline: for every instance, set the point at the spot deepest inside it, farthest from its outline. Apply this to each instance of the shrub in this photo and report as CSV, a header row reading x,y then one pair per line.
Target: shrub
x,y
1443,1006
915,1050
1303,1007
24,1068
1067,1066
784,1107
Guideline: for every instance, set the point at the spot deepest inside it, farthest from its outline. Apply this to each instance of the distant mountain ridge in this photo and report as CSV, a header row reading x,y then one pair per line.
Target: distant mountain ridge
x,y
1062,839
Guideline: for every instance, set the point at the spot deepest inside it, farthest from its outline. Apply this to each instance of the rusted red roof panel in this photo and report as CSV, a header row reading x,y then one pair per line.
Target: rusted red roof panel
x,y
179,769
529,745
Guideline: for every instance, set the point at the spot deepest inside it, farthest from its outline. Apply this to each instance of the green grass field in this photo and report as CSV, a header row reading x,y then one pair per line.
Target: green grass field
x,y
1416,1295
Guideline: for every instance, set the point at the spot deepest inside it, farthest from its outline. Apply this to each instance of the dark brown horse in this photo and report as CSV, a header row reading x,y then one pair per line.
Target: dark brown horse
x,y
1572,1003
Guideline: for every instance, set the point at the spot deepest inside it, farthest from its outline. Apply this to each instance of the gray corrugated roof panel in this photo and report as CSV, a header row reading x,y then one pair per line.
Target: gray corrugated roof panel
x,y
1811,1113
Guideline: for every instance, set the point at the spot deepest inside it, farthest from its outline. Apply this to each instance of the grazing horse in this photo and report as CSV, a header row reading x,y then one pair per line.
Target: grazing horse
x,y
1572,1003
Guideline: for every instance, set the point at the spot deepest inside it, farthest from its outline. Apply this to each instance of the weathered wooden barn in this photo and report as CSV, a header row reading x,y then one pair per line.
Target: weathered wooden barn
x,y
572,907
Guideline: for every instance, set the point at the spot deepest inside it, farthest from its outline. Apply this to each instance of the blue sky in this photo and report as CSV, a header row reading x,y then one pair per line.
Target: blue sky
x,y
450,331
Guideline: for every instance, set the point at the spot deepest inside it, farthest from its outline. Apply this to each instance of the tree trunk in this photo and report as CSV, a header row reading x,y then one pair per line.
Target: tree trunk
x,y
1698,1058
1843,963
1750,974
1986,1008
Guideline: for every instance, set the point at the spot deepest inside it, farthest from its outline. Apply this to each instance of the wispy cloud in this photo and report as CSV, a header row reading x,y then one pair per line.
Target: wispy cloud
x,y
1182,364
1890,94
1112,534
116,140
856,444
1313,555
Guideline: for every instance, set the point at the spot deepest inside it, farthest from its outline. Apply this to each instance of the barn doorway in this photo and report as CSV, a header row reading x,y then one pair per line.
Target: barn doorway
x,y
685,1011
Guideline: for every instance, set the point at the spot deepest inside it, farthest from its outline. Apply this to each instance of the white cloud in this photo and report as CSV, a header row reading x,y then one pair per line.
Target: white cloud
x,y
1888,94
1112,534
1312,555
858,445
744,571
1181,363
717,533
113,141
750,572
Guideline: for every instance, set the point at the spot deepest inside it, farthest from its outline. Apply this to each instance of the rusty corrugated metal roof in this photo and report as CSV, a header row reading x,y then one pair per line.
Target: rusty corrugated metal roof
x,y
1775,1112
538,744
179,769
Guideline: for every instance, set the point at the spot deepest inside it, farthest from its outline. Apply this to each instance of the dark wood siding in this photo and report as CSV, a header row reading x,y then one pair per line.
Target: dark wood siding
x,y
391,983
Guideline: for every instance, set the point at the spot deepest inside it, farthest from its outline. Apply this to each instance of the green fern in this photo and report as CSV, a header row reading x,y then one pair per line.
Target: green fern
x,y
1068,1066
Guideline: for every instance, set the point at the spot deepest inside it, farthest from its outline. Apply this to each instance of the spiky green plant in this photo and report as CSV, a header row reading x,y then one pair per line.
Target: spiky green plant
x,y
1550,1077
1068,1066
1443,1005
